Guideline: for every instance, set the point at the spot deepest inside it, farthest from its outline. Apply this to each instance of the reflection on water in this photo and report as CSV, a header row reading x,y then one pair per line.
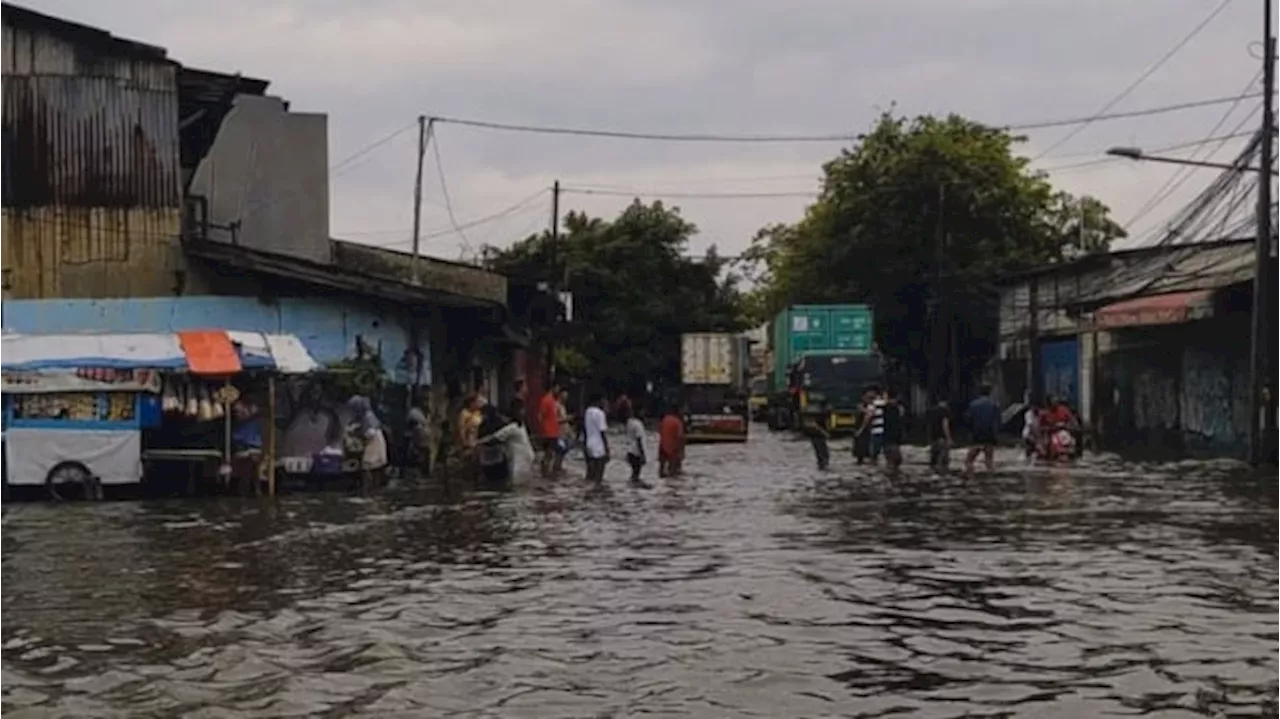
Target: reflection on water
x,y
753,587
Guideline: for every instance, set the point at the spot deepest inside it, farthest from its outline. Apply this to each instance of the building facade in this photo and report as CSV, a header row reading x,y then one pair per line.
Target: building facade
x,y
143,195
92,200
1149,346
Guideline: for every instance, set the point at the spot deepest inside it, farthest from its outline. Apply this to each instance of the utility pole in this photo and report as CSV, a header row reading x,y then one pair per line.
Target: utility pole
x,y
937,342
1035,378
1260,365
554,284
417,195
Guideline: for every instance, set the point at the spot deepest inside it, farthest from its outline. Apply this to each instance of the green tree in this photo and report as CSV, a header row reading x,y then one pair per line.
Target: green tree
x,y
1083,224
634,289
917,219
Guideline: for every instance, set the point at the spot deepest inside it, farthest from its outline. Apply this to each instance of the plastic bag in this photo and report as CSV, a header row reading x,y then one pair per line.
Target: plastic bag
x,y
516,440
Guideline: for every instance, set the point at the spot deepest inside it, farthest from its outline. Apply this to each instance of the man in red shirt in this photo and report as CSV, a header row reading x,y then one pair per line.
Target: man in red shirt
x,y
549,428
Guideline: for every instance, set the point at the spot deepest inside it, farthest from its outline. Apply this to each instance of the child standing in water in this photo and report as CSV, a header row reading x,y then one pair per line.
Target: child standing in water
x,y
670,443
635,443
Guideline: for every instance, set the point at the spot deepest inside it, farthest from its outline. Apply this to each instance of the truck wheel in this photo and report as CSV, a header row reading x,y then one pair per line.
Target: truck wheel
x,y
72,473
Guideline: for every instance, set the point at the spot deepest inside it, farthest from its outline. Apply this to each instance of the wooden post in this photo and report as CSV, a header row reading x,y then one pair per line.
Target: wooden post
x,y
226,433
271,435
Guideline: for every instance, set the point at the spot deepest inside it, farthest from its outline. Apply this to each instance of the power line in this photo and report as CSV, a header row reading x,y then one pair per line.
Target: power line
x,y
444,187
336,168
1141,78
500,214
1128,114
831,137
1180,177
696,195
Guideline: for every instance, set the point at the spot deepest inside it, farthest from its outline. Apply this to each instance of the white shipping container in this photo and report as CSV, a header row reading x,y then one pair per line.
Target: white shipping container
x,y
711,358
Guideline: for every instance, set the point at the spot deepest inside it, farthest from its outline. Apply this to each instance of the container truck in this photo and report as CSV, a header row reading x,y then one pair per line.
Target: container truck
x,y
713,375
822,353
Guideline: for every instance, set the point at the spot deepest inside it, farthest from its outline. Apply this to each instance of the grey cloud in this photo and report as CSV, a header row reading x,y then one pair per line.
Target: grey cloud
x,y
709,66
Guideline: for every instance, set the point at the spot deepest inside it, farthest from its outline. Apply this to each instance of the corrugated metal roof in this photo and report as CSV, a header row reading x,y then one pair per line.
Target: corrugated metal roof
x,y
89,142
1181,269
83,35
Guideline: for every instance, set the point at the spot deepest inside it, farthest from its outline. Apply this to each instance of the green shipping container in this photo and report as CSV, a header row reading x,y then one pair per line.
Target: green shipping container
x,y
802,329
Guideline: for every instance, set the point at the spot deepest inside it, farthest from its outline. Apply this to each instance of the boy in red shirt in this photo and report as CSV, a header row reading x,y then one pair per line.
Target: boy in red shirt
x,y
670,443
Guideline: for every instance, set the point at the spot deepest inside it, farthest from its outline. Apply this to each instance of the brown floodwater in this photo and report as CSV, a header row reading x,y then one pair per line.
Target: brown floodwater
x,y
755,586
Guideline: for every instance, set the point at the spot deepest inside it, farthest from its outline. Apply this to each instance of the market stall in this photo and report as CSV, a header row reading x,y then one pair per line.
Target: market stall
x,y
94,410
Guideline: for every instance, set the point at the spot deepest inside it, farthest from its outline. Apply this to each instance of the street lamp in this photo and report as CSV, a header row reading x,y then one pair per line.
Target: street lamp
x,y
1136,153
1261,354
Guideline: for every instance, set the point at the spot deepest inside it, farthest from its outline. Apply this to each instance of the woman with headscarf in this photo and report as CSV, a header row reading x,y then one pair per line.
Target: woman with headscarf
x,y
373,459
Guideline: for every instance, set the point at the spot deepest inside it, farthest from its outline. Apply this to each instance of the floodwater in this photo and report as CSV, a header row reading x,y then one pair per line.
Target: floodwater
x,y
753,587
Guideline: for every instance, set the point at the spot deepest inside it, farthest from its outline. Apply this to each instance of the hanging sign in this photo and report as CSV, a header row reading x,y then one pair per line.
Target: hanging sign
x,y
82,379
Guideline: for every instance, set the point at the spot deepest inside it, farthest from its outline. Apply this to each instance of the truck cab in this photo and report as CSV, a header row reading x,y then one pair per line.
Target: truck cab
x,y
838,379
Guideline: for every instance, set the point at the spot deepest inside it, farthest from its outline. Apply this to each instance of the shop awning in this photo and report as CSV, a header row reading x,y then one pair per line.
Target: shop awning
x,y
200,352
1167,309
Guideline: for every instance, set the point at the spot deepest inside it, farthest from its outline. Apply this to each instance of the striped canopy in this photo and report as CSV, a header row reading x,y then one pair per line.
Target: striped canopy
x,y
201,352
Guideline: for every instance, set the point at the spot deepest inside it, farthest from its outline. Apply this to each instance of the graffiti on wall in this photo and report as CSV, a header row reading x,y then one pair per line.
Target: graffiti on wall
x,y
1207,402
1155,398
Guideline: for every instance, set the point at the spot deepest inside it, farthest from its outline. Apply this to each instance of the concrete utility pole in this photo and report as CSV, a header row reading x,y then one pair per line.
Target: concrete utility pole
x,y
417,194
1261,429
555,281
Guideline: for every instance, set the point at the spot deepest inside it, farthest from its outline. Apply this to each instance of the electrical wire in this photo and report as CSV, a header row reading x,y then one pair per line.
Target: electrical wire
x,y
831,137
444,185
1176,179
336,169
1140,79
493,217
693,195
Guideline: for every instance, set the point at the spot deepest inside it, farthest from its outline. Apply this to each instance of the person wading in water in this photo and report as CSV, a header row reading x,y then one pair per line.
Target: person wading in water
x,y
817,426
549,430
595,440
895,430
984,420
939,421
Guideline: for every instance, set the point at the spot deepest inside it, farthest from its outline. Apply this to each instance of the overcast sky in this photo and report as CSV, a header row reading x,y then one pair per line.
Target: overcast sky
x,y
740,66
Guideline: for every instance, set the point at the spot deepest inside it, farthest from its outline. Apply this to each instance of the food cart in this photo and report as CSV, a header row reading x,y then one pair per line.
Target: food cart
x,y
78,407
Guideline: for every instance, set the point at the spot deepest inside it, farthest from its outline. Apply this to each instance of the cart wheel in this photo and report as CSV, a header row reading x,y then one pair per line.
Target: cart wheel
x,y
72,473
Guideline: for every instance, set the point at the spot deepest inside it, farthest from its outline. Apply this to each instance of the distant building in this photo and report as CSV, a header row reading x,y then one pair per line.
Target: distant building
x,y
143,195
1150,346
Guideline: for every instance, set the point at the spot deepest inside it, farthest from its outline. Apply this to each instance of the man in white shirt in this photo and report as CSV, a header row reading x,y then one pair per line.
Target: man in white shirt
x,y
594,427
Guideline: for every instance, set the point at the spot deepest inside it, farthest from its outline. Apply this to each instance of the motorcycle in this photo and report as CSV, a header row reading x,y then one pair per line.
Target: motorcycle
x,y
1058,444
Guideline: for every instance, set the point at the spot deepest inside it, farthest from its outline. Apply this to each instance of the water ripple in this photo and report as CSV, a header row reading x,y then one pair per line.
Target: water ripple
x,y
754,586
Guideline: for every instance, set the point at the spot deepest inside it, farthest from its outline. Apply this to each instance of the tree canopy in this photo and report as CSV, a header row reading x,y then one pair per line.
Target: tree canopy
x,y
917,219
634,291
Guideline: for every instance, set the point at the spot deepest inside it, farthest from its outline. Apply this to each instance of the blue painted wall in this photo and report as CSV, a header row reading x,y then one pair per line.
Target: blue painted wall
x,y
1060,365
328,327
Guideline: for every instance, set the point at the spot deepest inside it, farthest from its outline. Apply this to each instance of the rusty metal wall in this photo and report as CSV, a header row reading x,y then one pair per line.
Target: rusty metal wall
x,y
32,52
90,252
89,142
92,197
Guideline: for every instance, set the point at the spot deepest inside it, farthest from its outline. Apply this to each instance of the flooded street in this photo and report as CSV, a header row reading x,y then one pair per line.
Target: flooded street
x,y
753,586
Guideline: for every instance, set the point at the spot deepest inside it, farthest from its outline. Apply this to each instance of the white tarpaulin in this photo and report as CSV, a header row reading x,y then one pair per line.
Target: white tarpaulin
x,y
69,351
112,455
62,352
290,355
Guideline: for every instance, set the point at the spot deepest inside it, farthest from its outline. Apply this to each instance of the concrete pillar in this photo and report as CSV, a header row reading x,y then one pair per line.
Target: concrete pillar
x,y
1088,352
